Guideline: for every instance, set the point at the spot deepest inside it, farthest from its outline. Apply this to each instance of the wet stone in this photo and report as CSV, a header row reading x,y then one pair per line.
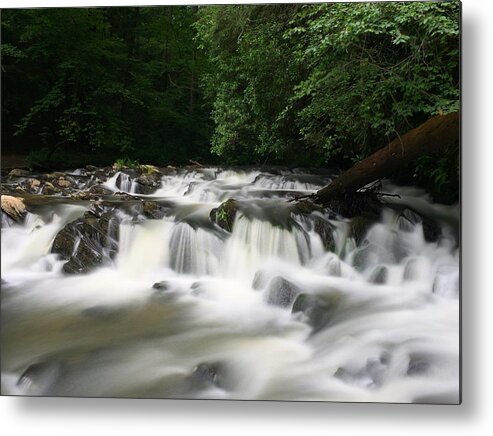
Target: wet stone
x,y
317,309
205,375
282,292
161,286
379,275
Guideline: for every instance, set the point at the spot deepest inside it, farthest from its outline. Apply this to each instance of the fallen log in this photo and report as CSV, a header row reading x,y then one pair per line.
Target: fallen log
x,y
431,137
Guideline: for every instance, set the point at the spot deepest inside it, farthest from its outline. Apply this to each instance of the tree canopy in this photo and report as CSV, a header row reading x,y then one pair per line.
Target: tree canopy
x,y
293,84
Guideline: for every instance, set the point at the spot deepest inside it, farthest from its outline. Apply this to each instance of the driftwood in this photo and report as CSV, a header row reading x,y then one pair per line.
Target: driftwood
x,y
430,138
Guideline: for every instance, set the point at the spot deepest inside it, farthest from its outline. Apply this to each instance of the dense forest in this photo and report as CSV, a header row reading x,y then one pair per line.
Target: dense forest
x,y
318,85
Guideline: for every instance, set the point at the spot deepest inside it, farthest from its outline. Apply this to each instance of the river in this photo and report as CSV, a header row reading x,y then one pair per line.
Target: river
x,y
186,309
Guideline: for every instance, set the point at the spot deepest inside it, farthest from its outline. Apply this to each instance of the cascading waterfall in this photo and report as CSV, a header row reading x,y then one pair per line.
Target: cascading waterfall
x,y
187,309
120,181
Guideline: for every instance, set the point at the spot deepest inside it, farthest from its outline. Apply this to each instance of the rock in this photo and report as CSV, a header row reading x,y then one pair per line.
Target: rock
x,y
359,227
224,215
305,207
317,309
91,168
324,229
14,207
17,172
32,185
125,196
206,374
379,275
49,189
154,210
418,366
83,195
161,286
62,182
148,169
431,229
411,271
86,242
282,292
39,377
100,190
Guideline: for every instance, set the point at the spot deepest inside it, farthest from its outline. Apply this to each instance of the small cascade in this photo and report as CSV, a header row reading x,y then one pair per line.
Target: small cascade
x,y
254,242
194,251
122,182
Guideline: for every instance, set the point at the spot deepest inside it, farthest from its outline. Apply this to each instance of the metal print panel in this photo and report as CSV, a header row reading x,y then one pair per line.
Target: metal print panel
x,y
239,202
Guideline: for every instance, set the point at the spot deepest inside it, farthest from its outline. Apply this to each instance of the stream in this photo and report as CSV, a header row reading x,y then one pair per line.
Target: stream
x,y
286,306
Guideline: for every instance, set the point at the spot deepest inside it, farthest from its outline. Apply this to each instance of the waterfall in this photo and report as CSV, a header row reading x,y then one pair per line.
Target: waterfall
x,y
177,306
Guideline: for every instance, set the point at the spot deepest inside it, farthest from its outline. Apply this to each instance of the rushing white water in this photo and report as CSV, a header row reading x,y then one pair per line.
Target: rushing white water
x,y
220,324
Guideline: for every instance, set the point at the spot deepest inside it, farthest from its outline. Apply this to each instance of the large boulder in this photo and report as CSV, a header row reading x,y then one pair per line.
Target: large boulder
x,y
87,242
147,183
13,207
224,215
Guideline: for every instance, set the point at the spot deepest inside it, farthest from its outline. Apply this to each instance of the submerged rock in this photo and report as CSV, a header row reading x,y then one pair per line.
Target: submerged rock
x,y
205,375
379,275
260,280
317,309
282,292
224,215
161,286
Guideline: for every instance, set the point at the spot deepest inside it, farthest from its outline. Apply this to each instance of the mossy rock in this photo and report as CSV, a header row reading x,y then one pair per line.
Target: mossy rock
x,y
224,215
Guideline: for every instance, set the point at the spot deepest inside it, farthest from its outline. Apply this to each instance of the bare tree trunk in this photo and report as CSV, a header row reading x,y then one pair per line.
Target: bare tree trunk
x,y
434,135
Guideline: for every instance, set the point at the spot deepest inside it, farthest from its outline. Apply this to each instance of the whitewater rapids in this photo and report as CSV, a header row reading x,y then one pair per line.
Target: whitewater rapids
x,y
213,332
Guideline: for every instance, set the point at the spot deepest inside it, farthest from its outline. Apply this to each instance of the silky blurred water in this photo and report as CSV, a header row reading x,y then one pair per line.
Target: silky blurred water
x,y
211,330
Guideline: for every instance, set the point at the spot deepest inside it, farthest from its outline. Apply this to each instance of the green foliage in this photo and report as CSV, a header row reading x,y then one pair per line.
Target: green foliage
x,y
38,157
313,83
125,162
104,80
